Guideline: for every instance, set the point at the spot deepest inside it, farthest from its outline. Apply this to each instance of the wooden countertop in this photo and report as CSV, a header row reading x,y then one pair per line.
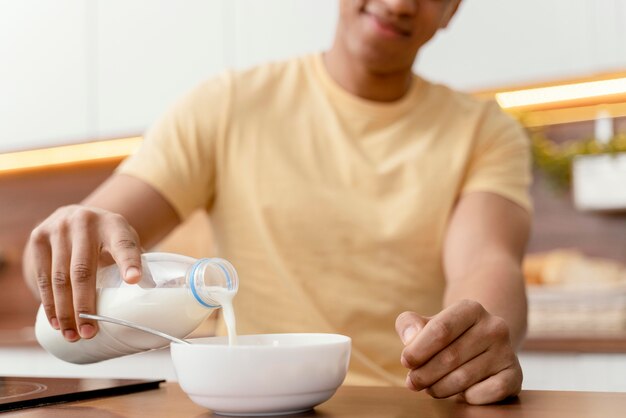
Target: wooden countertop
x,y
170,402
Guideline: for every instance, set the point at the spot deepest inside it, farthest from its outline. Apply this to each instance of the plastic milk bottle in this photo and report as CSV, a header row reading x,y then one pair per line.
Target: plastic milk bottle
x,y
176,293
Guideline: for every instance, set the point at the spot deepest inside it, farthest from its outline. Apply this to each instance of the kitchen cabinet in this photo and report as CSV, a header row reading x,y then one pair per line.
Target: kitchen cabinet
x,y
44,73
77,70
149,52
494,43
597,372
278,29
591,363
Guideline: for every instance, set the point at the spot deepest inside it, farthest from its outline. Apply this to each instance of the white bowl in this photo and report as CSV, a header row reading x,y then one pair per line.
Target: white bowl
x,y
263,374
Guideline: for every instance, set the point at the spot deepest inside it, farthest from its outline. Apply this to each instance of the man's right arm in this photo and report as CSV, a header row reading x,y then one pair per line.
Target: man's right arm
x,y
145,209
62,254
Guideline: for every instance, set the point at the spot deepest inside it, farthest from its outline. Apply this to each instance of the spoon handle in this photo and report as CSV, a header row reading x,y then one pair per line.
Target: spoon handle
x,y
132,325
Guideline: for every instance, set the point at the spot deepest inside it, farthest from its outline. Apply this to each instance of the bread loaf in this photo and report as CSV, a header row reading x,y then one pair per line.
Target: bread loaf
x,y
571,267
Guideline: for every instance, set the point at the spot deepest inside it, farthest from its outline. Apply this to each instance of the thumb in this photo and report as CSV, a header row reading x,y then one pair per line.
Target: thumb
x,y
408,324
126,252
132,274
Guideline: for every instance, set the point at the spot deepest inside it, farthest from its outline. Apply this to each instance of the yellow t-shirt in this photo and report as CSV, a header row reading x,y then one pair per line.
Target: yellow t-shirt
x,y
332,208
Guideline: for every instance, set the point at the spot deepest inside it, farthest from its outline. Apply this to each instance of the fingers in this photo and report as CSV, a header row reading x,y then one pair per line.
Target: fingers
x,y
449,361
63,254
459,379
476,370
61,282
83,267
500,386
123,245
440,331
42,265
463,351
408,324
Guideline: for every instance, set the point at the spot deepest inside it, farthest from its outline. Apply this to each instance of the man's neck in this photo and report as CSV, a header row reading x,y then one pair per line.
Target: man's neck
x,y
362,82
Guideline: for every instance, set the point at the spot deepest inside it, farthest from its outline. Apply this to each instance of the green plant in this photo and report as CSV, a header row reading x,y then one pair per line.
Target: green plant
x,y
555,160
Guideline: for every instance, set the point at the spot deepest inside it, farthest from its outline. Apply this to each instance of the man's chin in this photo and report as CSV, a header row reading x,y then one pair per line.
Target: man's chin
x,y
381,62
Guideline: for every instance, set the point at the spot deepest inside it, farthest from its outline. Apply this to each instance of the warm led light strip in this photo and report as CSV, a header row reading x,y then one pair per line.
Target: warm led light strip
x,y
119,148
89,151
562,93
572,114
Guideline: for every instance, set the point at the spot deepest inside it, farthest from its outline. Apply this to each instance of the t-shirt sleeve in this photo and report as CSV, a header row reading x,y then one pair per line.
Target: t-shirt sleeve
x,y
501,160
177,156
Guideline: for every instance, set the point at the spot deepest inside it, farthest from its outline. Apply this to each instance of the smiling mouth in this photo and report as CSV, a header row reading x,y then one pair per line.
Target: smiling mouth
x,y
388,27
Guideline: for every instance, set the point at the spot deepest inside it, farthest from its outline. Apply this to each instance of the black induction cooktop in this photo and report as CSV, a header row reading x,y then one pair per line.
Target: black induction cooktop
x,y
29,392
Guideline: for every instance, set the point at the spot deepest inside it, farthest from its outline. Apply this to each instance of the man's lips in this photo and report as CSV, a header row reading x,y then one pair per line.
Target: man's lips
x,y
388,27
385,22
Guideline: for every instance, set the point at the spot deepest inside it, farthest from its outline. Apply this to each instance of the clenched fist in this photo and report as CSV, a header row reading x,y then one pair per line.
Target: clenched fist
x,y
463,350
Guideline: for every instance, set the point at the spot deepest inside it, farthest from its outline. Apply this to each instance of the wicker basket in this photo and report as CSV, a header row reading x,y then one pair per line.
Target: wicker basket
x,y
598,309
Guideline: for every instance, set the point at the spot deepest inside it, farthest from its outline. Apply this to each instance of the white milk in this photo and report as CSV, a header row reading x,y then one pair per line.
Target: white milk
x,y
225,298
170,310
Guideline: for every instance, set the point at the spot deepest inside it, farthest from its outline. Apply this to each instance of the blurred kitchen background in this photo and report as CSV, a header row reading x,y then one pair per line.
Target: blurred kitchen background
x,y
80,80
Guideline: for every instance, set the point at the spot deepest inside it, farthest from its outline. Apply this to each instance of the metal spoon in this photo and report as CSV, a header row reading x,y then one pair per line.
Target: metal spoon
x,y
133,325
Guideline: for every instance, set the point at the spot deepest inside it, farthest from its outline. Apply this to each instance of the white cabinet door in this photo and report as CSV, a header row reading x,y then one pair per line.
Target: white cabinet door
x,y
76,69
596,372
44,94
149,53
278,29
493,43
608,30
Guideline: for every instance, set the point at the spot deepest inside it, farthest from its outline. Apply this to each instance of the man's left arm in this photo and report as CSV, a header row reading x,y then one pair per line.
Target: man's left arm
x,y
468,349
483,254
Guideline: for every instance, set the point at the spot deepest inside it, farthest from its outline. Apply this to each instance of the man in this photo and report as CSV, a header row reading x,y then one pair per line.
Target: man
x,y
345,190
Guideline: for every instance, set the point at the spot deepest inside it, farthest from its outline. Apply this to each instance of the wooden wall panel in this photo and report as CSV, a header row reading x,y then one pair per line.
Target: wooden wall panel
x,y
27,198
556,224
